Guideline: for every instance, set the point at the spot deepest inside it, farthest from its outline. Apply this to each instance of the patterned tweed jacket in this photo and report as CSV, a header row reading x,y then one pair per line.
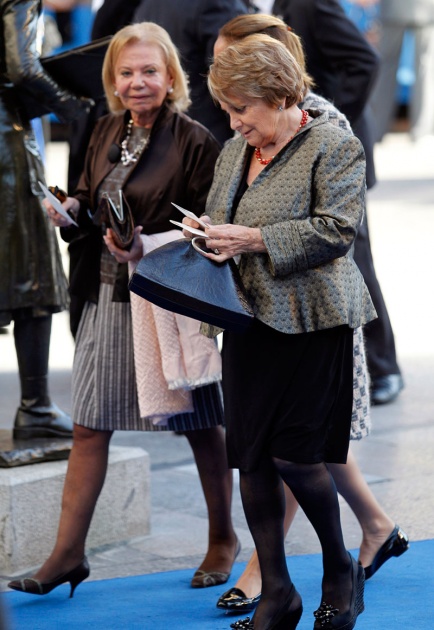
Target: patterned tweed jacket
x,y
308,203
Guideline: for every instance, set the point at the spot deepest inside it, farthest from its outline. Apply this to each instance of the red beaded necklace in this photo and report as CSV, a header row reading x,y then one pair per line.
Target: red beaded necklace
x,y
303,121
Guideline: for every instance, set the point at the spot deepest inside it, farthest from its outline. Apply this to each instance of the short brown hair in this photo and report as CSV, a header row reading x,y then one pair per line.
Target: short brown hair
x,y
257,66
146,33
261,23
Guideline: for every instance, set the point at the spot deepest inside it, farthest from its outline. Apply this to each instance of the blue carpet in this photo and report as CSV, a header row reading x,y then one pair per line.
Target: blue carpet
x,y
399,597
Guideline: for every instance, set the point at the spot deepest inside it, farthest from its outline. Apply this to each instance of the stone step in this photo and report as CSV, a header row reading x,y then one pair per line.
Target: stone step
x,y
30,501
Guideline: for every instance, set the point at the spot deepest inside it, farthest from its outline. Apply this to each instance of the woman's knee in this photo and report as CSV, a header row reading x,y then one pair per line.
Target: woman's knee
x,y
293,470
200,437
84,436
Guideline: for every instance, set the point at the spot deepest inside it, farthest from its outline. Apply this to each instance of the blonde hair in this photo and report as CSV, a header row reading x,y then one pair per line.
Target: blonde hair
x,y
257,67
260,23
146,33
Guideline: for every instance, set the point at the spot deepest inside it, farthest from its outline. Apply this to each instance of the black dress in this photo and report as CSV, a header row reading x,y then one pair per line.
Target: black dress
x,y
286,396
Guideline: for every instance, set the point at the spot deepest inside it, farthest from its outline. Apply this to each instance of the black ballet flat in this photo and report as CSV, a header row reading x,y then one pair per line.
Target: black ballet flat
x,y
284,619
35,587
395,545
328,618
235,600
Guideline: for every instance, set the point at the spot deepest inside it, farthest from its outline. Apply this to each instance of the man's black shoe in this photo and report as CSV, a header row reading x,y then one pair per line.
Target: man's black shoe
x,y
384,389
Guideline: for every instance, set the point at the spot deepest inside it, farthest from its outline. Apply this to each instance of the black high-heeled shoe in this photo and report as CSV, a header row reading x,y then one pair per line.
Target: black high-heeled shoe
x,y
395,545
235,600
284,619
328,618
35,587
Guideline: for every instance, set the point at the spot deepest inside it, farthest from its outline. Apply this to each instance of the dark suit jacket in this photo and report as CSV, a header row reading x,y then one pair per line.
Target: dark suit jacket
x,y
112,16
342,63
193,26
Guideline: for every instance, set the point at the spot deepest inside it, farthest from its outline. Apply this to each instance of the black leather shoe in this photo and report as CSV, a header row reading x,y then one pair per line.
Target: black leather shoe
x,y
384,389
286,618
41,422
395,545
328,618
235,600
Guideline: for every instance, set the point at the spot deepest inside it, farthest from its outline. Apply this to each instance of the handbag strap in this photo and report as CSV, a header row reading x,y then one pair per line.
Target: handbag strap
x,y
196,246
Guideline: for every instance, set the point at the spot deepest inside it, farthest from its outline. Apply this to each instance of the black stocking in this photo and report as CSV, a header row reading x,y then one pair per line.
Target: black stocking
x,y
315,491
264,506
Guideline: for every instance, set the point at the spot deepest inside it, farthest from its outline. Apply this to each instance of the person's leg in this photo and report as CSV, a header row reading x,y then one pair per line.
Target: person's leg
x,y
422,94
315,491
383,99
264,507
383,368
208,446
36,415
375,523
84,480
250,580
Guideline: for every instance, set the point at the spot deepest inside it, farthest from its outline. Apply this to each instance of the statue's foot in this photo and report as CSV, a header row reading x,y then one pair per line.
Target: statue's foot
x,y
42,422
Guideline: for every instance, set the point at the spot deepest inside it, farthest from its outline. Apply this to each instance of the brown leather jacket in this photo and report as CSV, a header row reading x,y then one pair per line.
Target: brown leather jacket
x,y
177,165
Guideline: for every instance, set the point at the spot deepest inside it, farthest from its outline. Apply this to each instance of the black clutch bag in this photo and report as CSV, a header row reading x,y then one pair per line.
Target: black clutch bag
x,y
117,215
179,279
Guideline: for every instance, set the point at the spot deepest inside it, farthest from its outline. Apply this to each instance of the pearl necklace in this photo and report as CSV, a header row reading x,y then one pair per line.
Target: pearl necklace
x,y
265,161
128,158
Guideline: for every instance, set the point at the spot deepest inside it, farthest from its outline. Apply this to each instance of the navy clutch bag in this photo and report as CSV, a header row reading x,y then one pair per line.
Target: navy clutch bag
x,y
179,279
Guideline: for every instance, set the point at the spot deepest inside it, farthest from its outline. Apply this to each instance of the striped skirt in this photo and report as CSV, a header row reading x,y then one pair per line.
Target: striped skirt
x,y
104,393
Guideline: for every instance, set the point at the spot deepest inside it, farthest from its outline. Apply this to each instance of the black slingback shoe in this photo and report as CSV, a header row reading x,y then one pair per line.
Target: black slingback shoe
x,y
284,619
395,545
35,587
235,600
328,618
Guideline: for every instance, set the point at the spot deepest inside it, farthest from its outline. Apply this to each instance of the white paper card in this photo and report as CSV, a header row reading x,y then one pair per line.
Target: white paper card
x,y
190,229
191,215
56,204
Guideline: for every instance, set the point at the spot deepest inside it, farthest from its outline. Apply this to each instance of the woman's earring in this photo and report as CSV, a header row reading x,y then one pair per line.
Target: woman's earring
x,y
280,108
170,90
116,93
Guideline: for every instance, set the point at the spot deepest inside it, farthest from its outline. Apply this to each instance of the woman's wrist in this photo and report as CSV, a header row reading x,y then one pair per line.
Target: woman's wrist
x,y
257,241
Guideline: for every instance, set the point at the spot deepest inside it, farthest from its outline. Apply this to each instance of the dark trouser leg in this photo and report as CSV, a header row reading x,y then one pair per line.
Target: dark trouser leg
x,y
379,339
36,415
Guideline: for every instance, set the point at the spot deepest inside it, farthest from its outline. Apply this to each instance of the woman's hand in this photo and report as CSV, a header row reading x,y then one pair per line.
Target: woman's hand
x,y
70,204
229,240
195,224
123,255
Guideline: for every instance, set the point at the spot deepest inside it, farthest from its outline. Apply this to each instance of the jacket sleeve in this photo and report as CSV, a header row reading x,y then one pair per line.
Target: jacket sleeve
x,y
337,210
83,192
200,159
352,63
351,55
38,93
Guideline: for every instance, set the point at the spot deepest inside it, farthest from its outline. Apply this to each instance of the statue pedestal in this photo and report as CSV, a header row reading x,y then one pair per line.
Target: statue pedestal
x,y
30,501
22,452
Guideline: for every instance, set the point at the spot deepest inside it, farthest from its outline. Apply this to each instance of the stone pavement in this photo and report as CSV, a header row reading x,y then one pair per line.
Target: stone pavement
x,y
397,458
